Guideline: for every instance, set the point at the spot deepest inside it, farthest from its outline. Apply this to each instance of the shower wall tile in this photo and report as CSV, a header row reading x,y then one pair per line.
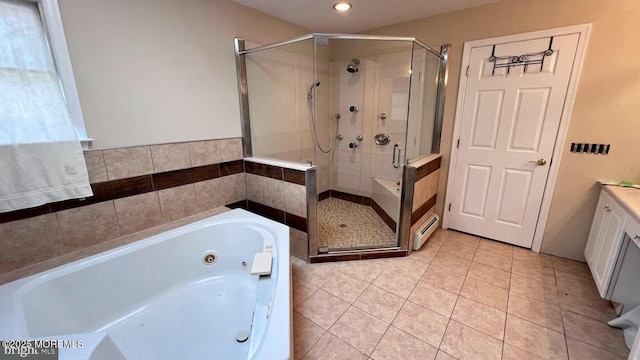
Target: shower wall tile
x,y
231,149
273,192
209,194
138,212
425,188
88,225
234,188
169,157
128,162
231,167
254,190
295,199
95,166
205,152
177,202
28,241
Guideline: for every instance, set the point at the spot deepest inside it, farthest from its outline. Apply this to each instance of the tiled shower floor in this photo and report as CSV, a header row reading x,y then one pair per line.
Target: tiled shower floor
x,y
363,227
460,297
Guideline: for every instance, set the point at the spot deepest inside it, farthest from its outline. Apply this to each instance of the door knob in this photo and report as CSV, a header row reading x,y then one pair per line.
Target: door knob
x,y
382,116
607,208
540,162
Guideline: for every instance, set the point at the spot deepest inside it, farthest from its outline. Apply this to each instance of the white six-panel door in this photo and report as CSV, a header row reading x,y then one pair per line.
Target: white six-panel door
x,y
510,121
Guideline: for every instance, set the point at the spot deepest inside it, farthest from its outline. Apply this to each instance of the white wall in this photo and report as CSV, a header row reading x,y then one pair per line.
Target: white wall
x,y
158,71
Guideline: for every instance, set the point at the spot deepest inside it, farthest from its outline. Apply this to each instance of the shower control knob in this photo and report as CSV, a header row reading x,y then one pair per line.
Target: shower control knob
x,y
353,109
340,137
359,137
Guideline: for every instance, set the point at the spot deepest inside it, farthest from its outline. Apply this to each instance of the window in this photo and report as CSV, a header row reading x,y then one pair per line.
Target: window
x,y
39,101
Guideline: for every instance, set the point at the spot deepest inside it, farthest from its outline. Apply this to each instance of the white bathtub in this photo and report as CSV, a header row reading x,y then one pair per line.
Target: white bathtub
x,y
156,298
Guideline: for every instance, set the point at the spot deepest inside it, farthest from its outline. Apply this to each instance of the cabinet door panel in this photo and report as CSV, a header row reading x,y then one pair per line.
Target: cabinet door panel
x,y
607,253
597,226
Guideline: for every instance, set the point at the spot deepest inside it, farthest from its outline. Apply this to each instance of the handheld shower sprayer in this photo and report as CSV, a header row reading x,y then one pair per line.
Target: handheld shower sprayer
x,y
310,93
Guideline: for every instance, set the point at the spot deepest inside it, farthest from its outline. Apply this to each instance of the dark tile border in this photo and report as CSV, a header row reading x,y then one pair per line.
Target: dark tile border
x,y
231,167
419,213
242,204
382,254
384,216
175,178
295,221
324,195
427,168
274,172
347,197
116,189
294,176
266,211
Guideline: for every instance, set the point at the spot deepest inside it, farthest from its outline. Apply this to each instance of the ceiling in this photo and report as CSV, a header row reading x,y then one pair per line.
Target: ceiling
x,y
319,16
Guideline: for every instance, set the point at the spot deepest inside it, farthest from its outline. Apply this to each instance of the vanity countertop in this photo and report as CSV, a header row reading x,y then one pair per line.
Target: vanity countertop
x,y
628,198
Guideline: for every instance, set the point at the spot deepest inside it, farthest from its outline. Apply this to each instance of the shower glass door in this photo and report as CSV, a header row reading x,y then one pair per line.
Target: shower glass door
x,y
361,112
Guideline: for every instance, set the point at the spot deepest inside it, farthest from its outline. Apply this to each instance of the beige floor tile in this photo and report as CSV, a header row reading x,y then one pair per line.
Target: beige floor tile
x,y
579,350
345,287
535,339
585,286
513,353
572,267
306,334
599,309
359,329
396,344
444,356
594,332
533,288
444,279
464,239
395,282
533,271
536,311
455,248
465,343
433,298
301,290
316,274
485,293
496,247
408,266
452,263
489,274
365,270
422,323
532,257
479,316
330,347
379,303
322,308
426,254
491,259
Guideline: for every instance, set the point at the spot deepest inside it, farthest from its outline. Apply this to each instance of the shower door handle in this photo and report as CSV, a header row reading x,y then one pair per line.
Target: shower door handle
x,y
393,159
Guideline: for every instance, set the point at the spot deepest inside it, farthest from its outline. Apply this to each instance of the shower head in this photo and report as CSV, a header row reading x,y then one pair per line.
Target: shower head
x,y
310,92
353,66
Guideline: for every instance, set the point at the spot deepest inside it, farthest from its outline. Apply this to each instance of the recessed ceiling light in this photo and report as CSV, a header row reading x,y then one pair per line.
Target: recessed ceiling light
x,y
342,6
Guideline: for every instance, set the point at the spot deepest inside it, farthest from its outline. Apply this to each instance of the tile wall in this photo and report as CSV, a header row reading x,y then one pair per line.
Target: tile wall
x,y
425,192
281,195
134,189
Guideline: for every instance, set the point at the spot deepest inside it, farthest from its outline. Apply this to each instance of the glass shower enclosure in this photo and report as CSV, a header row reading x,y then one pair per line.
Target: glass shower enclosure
x,y
358,108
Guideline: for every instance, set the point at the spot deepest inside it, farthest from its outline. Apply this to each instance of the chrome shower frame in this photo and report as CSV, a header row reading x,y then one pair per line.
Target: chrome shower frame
x,y
312,197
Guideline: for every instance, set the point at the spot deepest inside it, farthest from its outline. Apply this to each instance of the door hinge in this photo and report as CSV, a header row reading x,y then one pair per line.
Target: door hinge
x,y
550,162
467,72
458,144
449,206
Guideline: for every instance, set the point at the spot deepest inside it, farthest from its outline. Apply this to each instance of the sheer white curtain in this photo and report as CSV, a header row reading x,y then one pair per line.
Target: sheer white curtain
x,y
41,157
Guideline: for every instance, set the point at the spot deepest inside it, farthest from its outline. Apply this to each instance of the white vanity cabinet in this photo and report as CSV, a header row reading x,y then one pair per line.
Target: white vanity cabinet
x,y
605,239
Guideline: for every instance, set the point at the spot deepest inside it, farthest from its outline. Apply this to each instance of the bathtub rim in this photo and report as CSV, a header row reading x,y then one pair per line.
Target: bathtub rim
x,y
277,339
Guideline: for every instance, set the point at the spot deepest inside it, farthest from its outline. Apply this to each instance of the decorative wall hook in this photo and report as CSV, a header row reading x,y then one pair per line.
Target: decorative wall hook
x,y
520,60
